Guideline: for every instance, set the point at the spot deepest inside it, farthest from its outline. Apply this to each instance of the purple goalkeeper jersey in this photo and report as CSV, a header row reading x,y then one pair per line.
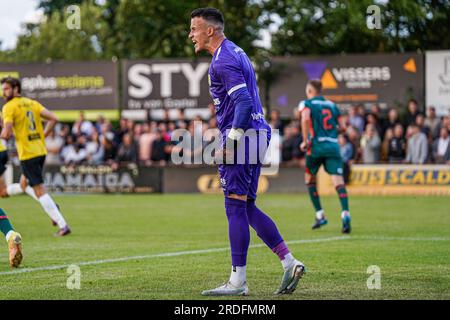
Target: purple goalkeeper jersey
x,y
231,70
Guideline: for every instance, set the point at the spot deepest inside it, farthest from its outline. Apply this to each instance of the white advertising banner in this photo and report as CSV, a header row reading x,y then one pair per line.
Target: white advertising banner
x,y
438,81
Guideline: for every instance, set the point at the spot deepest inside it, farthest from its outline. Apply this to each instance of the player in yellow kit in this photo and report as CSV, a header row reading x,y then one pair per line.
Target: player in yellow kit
x,y
23,117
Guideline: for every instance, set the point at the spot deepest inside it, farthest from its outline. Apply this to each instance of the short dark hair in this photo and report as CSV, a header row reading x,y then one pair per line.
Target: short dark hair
x,y
316,84
209,14
13,82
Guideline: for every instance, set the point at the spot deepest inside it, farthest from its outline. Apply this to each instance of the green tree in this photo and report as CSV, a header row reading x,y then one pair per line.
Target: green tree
x,y
53,39
52,6
338,26
155,29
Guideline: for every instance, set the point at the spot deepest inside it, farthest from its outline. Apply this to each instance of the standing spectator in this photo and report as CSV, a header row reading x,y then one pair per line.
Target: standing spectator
x,y
127,151
54,146
82,126
397,145
275,121
123,128
291,145
373,120
411,113
391,121
420,122
375,109
355,120
109,148
347,154
370,144
433,122
212,111
441,147
137,132
158,149
145,144
100,121
385,144
446,122
354,137
417,152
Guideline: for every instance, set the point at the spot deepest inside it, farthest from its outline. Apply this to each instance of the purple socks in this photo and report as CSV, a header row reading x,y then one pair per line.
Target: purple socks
x,y
238,230
240,214
264,226
281,250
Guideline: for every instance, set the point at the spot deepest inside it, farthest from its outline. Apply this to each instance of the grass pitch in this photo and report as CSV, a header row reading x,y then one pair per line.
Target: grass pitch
x,y
143,247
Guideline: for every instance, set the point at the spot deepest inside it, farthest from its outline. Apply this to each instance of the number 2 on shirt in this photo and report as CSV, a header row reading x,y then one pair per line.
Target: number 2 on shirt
x,y
327,116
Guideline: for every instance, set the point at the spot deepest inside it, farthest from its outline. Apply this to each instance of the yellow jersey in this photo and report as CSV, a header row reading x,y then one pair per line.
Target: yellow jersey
x,y
25,116
2,146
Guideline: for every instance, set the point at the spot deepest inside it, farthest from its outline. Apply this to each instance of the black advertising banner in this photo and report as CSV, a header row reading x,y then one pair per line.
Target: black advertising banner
x,y
386,79
100,179
169,83
68,86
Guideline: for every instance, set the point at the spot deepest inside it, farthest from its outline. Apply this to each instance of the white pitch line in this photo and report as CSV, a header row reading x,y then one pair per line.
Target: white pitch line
x,y
160,255
213,250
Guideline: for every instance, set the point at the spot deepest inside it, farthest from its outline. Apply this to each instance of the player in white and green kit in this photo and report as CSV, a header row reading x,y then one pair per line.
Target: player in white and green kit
x,y
320,123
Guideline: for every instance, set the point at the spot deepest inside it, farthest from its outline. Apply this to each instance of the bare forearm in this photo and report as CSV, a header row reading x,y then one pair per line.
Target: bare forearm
x,y
49,127
305,129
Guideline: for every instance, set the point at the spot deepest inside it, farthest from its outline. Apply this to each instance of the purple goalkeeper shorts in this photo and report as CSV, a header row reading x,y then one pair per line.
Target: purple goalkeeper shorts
x,y
240,179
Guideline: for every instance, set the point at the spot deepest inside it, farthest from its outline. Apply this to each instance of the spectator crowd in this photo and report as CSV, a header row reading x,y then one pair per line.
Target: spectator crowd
x,y
371,136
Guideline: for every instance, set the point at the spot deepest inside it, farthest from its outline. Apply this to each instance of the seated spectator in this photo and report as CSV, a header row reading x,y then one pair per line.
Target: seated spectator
x,y
68,147
93,149
417,147
397,146
54,146
355,120
127,151
433,123
370,144
78,153
82,126
441,147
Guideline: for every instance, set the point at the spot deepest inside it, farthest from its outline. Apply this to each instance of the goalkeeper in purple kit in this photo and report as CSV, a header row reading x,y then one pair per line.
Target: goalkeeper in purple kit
x,y
235,95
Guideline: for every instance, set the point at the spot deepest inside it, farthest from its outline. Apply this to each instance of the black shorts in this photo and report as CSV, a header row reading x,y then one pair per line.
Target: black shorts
x,y
3,161
32,170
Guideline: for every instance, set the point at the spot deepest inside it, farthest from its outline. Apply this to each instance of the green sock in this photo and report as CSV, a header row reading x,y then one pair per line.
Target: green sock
x,y
5,225
343,196
314,195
